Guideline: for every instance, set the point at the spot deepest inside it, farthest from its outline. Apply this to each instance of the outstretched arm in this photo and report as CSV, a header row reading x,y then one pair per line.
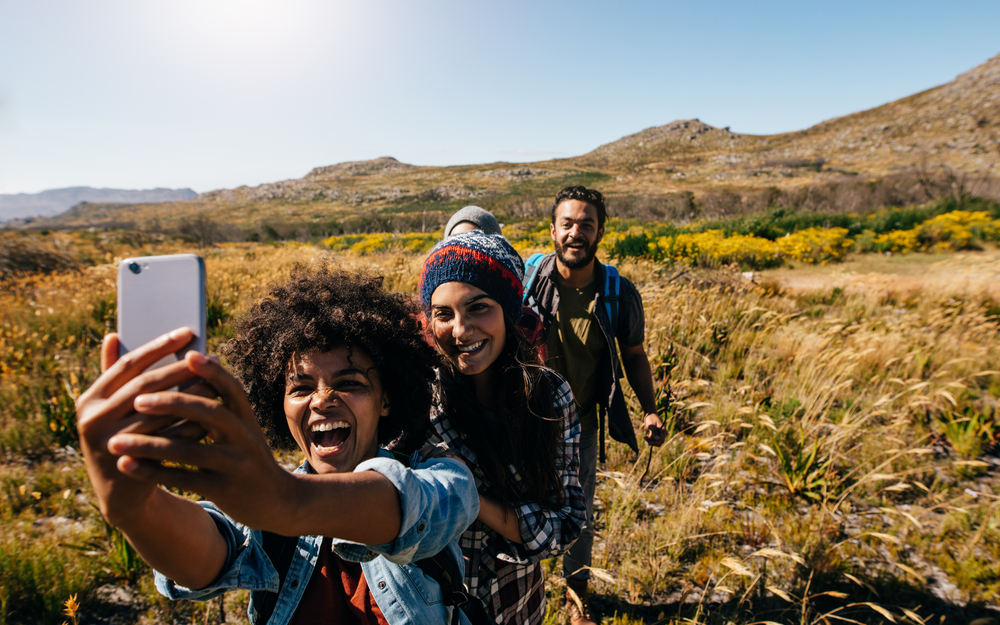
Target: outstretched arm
x,y
640,378
172,534
238,473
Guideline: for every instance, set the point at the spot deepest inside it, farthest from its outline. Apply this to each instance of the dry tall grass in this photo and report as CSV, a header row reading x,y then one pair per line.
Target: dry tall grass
x,y
831,450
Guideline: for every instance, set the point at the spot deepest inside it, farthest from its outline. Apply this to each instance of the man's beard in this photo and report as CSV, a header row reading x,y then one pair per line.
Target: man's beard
x,y
588,255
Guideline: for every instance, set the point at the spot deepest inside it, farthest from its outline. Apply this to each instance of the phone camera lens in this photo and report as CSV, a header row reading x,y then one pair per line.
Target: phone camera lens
x,y
134,267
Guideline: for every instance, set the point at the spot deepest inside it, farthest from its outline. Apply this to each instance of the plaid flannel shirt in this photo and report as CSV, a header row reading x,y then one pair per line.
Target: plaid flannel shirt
x,y
505,575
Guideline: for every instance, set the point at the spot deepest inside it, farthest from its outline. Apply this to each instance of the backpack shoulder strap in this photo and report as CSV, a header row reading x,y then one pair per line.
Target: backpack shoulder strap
x,y
612,294
443,569
530,271
280,550
400,457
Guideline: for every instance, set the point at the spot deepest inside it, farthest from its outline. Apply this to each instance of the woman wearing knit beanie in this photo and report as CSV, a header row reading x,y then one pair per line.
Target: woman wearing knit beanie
x,y
513,422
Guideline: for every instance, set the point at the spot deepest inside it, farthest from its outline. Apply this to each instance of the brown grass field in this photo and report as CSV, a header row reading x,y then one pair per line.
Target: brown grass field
x,y
832,452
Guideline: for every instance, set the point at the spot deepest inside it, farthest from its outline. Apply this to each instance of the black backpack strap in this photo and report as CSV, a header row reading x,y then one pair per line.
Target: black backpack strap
x,y
443,569
280,550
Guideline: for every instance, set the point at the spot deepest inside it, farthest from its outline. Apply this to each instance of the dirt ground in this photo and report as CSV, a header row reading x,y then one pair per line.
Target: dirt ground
x,y
947,273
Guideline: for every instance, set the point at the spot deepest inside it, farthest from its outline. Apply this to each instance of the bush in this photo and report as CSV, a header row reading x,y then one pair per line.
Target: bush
x,y
25,256
205,232
414,242
36,577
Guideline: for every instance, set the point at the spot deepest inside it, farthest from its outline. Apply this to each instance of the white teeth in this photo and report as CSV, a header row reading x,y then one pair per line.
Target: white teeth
x,y
326,427
470,348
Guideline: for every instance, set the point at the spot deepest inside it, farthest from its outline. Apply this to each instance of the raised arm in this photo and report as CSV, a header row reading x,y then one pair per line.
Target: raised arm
x,y
237,471
172,534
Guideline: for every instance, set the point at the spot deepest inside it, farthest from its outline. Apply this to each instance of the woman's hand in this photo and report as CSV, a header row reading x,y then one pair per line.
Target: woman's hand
x,y
172,534
106,409
440,450
237,471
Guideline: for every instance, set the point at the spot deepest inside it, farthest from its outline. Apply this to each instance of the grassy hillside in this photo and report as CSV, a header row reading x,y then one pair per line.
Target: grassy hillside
x,y
907,151
832,447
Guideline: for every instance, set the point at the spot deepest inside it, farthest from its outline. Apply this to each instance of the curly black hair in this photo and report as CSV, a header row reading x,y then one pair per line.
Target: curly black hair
x,y
588,196
320,307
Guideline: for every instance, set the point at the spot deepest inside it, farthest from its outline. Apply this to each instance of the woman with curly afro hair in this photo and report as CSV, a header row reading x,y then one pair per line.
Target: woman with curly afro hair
x,y
318,310
331,363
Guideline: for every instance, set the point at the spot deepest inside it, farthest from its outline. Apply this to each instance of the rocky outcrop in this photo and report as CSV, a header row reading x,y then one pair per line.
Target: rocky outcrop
x,y
301,190
520,173
682,137
317,185
382,166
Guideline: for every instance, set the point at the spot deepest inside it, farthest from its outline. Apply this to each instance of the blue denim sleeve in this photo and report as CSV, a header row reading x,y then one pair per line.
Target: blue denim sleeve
x,y
438,499
246,567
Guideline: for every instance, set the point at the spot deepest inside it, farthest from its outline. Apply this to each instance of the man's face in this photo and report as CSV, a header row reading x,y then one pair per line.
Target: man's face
x,y
575,233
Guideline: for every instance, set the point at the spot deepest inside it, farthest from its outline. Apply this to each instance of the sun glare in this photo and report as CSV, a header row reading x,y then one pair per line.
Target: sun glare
x,y
244,26
244,38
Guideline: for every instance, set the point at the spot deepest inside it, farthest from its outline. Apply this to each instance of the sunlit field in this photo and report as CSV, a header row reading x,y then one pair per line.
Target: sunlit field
x,y
831,454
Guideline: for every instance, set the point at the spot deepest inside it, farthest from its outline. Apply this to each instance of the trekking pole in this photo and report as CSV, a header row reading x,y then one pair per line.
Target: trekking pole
x,y
649,460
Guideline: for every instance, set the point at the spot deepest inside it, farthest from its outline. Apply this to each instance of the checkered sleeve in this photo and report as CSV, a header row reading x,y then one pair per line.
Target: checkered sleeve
x,y
546,532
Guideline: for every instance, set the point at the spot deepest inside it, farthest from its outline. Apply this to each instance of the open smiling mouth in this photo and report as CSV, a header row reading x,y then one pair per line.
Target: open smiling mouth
x,y
471,349
329,436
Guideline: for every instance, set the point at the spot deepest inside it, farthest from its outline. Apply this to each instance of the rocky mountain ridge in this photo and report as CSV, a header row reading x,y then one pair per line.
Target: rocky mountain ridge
x,y
954,126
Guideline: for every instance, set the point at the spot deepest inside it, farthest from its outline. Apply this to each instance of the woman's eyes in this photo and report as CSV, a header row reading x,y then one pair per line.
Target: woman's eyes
x,y
475,307
342,385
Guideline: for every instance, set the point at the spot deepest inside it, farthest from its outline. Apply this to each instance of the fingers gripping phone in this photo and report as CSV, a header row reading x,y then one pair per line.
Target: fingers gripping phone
x,y
157,294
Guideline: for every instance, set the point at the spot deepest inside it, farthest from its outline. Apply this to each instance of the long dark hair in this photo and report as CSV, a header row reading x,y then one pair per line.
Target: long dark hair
x,y
528,433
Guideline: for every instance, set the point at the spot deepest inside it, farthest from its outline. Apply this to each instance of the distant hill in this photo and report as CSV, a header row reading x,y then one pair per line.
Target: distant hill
x,y
55,201
952,129
956,124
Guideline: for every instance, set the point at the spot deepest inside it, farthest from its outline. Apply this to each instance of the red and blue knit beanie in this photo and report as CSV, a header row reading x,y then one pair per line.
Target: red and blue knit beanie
x,y
486,261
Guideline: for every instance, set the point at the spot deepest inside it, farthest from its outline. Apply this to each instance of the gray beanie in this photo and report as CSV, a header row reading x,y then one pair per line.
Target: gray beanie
x,y
481,217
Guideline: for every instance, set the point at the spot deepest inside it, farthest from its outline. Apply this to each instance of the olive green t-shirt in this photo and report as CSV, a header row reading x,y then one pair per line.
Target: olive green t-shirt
x,y
575,345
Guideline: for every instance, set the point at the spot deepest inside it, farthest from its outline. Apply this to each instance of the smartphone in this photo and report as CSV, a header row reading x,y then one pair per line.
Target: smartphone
x,y
157,294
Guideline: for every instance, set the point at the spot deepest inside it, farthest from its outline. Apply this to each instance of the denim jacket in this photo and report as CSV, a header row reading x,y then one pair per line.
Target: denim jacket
x,y
438,500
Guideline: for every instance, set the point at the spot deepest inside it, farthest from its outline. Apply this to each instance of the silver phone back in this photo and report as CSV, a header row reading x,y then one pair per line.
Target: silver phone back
x,y
163,294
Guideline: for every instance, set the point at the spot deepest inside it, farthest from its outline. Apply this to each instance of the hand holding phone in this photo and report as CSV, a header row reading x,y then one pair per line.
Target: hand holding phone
x,y
158,294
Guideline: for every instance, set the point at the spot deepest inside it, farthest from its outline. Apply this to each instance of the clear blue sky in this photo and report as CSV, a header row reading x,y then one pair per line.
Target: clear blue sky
x,y
214,94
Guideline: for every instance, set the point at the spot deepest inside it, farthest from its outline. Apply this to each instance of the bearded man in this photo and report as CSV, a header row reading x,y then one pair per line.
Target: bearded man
x,y
588,314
